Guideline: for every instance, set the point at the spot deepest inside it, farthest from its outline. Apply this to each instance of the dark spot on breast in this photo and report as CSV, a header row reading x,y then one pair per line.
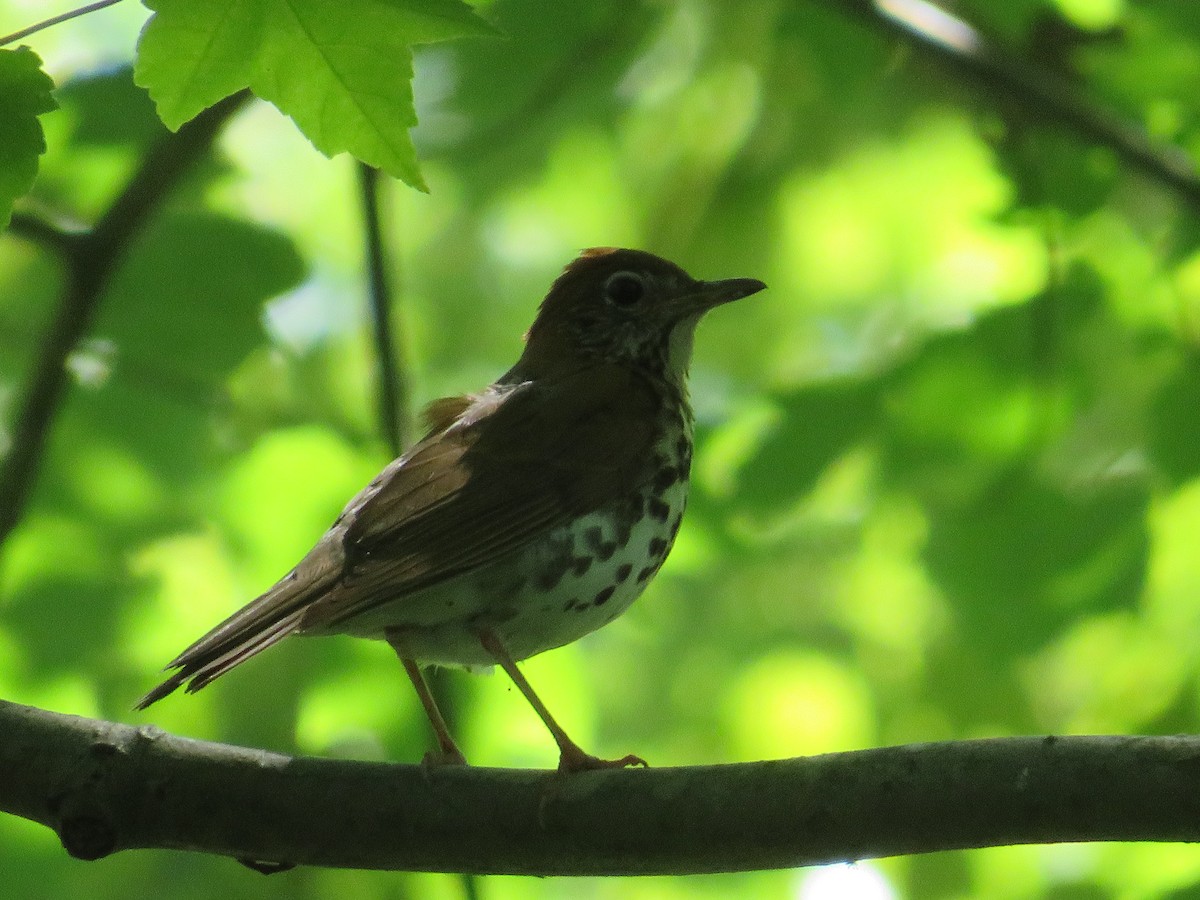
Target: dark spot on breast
x,y
657,548
683,447
658,509
604,596
553,569
549,577
624,530
603,550
623,572
571,604
665,478
645,574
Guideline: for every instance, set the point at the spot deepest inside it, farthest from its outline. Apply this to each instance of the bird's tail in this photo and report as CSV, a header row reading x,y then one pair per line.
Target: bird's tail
x,y
252,629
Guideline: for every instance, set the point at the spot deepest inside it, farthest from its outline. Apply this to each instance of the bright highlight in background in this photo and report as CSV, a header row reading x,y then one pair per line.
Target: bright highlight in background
x,y
845,881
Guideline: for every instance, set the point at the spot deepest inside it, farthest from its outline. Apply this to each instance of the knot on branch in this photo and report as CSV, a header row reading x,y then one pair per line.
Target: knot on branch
x,y
88,836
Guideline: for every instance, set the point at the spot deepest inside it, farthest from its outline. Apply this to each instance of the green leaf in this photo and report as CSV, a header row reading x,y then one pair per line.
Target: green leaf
x,y
24,95
106,109
187,303
184,309
341,70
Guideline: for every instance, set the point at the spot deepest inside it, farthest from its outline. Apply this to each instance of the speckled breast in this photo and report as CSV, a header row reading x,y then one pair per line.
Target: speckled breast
x,y
570,582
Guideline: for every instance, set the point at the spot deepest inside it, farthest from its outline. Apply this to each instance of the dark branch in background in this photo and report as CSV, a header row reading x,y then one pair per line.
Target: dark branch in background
x,y
393,391
1039,91
105,787
55,20
42,231
393,388
392,384
91,258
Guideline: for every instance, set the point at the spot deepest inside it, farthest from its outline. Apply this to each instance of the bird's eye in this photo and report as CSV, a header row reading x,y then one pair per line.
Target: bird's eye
x,y
624,288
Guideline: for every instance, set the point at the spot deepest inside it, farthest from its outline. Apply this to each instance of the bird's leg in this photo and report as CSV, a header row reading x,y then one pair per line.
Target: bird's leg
x,y
448,752
570,757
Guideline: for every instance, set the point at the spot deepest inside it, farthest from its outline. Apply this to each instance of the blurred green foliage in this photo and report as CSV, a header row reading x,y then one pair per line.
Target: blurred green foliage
x,y
24,95
948,474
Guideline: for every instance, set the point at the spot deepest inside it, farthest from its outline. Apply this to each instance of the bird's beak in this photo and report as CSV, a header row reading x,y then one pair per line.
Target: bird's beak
x,y
709,294
706,295
715,293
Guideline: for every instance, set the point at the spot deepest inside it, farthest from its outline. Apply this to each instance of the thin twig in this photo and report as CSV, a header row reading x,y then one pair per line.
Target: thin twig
x,y
55,20
392,382
95,255
1040,92
393,385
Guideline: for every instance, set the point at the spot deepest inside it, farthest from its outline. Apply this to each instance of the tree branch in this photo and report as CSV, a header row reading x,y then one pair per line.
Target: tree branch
x,y
1043,93
105,787
92,257
39,230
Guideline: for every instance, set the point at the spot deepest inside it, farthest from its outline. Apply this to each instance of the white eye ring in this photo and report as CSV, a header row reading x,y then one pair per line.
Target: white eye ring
x,y
624,288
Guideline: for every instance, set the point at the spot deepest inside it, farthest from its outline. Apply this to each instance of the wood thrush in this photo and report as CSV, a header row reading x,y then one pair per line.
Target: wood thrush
x,y
529,515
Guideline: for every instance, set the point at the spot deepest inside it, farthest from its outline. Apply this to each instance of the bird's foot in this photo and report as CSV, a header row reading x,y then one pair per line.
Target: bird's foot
x,y
572,759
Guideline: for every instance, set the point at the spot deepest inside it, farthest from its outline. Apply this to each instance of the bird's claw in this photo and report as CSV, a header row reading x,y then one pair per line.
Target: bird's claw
x,y
575,760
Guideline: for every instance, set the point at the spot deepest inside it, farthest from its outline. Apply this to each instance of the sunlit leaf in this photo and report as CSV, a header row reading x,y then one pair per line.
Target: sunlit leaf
x,y
342,71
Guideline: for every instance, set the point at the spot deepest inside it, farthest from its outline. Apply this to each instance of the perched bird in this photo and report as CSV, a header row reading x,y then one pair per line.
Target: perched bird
x,y
529,515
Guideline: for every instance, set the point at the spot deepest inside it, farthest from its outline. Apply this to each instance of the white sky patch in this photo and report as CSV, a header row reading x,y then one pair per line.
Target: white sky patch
x,y
932,20
322,306
844,881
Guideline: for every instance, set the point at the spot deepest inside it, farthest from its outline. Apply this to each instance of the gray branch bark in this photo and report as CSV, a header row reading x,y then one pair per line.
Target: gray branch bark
x,y
105,787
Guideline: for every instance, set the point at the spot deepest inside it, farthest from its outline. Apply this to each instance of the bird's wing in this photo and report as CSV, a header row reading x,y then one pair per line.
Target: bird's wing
x,y
504,468
513,466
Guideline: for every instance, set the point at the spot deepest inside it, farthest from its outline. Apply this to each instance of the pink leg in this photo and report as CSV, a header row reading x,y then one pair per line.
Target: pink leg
x,y
570,757
448,752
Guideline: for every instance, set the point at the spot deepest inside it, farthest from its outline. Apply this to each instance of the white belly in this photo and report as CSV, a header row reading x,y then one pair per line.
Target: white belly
x,y
579,579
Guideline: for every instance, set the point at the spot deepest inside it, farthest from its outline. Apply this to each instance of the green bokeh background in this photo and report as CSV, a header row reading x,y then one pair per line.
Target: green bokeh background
x,y
947,481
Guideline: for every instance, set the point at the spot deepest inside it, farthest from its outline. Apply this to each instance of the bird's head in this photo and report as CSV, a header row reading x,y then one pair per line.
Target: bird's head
x,y
626,307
